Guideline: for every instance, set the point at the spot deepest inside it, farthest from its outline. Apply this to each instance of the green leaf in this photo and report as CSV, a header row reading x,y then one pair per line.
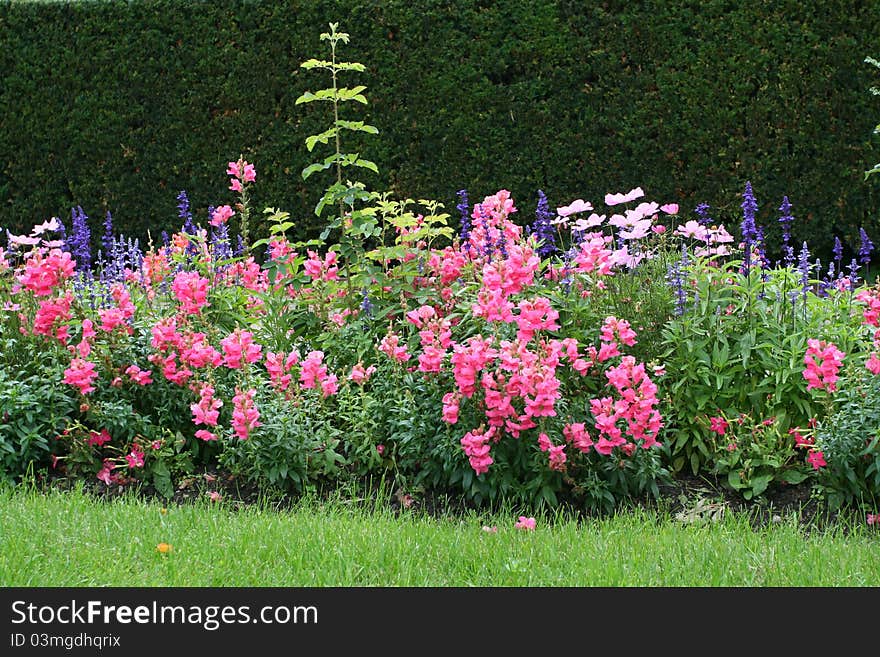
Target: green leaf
x,y
350,66
345,94
794,476
357,126
760,483
323,138
316,63
734,479
366,164
313,168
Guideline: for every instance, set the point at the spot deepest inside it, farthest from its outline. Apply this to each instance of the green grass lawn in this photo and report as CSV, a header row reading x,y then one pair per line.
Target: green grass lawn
x,y
67,538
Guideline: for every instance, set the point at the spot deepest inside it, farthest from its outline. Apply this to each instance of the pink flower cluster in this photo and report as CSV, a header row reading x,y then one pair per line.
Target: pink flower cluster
x,y
823,361
476,447
636,408
245,416
313,373
44,272
191,290
279,366
322,270
241,173
81,373
239,348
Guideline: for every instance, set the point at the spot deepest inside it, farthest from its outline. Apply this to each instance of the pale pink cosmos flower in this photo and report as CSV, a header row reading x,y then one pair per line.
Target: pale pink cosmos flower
x,y
592,221
670,208
21,240
51,225
693,229
631,195
638,231
576,206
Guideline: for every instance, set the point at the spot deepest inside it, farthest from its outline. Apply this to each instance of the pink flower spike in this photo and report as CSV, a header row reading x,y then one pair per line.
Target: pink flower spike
x,y
525,523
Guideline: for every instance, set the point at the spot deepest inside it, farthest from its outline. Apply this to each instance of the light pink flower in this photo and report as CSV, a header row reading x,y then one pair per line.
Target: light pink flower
x,y
221,215
525,523
576,206
616,199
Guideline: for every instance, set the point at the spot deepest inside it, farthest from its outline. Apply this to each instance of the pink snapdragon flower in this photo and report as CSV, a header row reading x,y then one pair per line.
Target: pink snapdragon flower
x,y
191,290
279,365
81,373
207,410
322,270
245,415
221,215
360,374
391,347
239,346
241,172
44,272
476,446
823,361
139,376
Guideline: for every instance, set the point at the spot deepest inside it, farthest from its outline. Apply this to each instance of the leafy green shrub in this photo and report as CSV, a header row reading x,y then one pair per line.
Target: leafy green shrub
x,y
739,348
849,440
33,413
296,448
750,455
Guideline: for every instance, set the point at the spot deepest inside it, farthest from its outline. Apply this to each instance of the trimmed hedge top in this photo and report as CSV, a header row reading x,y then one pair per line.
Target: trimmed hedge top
x,y
118,106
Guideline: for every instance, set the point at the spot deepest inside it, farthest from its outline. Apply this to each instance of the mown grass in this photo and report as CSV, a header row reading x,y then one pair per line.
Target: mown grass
x,y
68,538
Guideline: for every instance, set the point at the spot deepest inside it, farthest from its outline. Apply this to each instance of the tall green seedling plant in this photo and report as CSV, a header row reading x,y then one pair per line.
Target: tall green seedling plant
x,y
356,226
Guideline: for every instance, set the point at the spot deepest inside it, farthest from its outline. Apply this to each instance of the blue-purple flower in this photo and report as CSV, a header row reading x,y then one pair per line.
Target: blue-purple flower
x,y
786,220
748,228
865,247
542,228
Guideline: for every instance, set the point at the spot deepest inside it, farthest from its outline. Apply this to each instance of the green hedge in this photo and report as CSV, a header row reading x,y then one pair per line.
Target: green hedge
x,y
120,105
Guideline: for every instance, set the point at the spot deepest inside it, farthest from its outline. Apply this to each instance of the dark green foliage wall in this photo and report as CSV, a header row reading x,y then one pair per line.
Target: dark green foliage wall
x,y
120,105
